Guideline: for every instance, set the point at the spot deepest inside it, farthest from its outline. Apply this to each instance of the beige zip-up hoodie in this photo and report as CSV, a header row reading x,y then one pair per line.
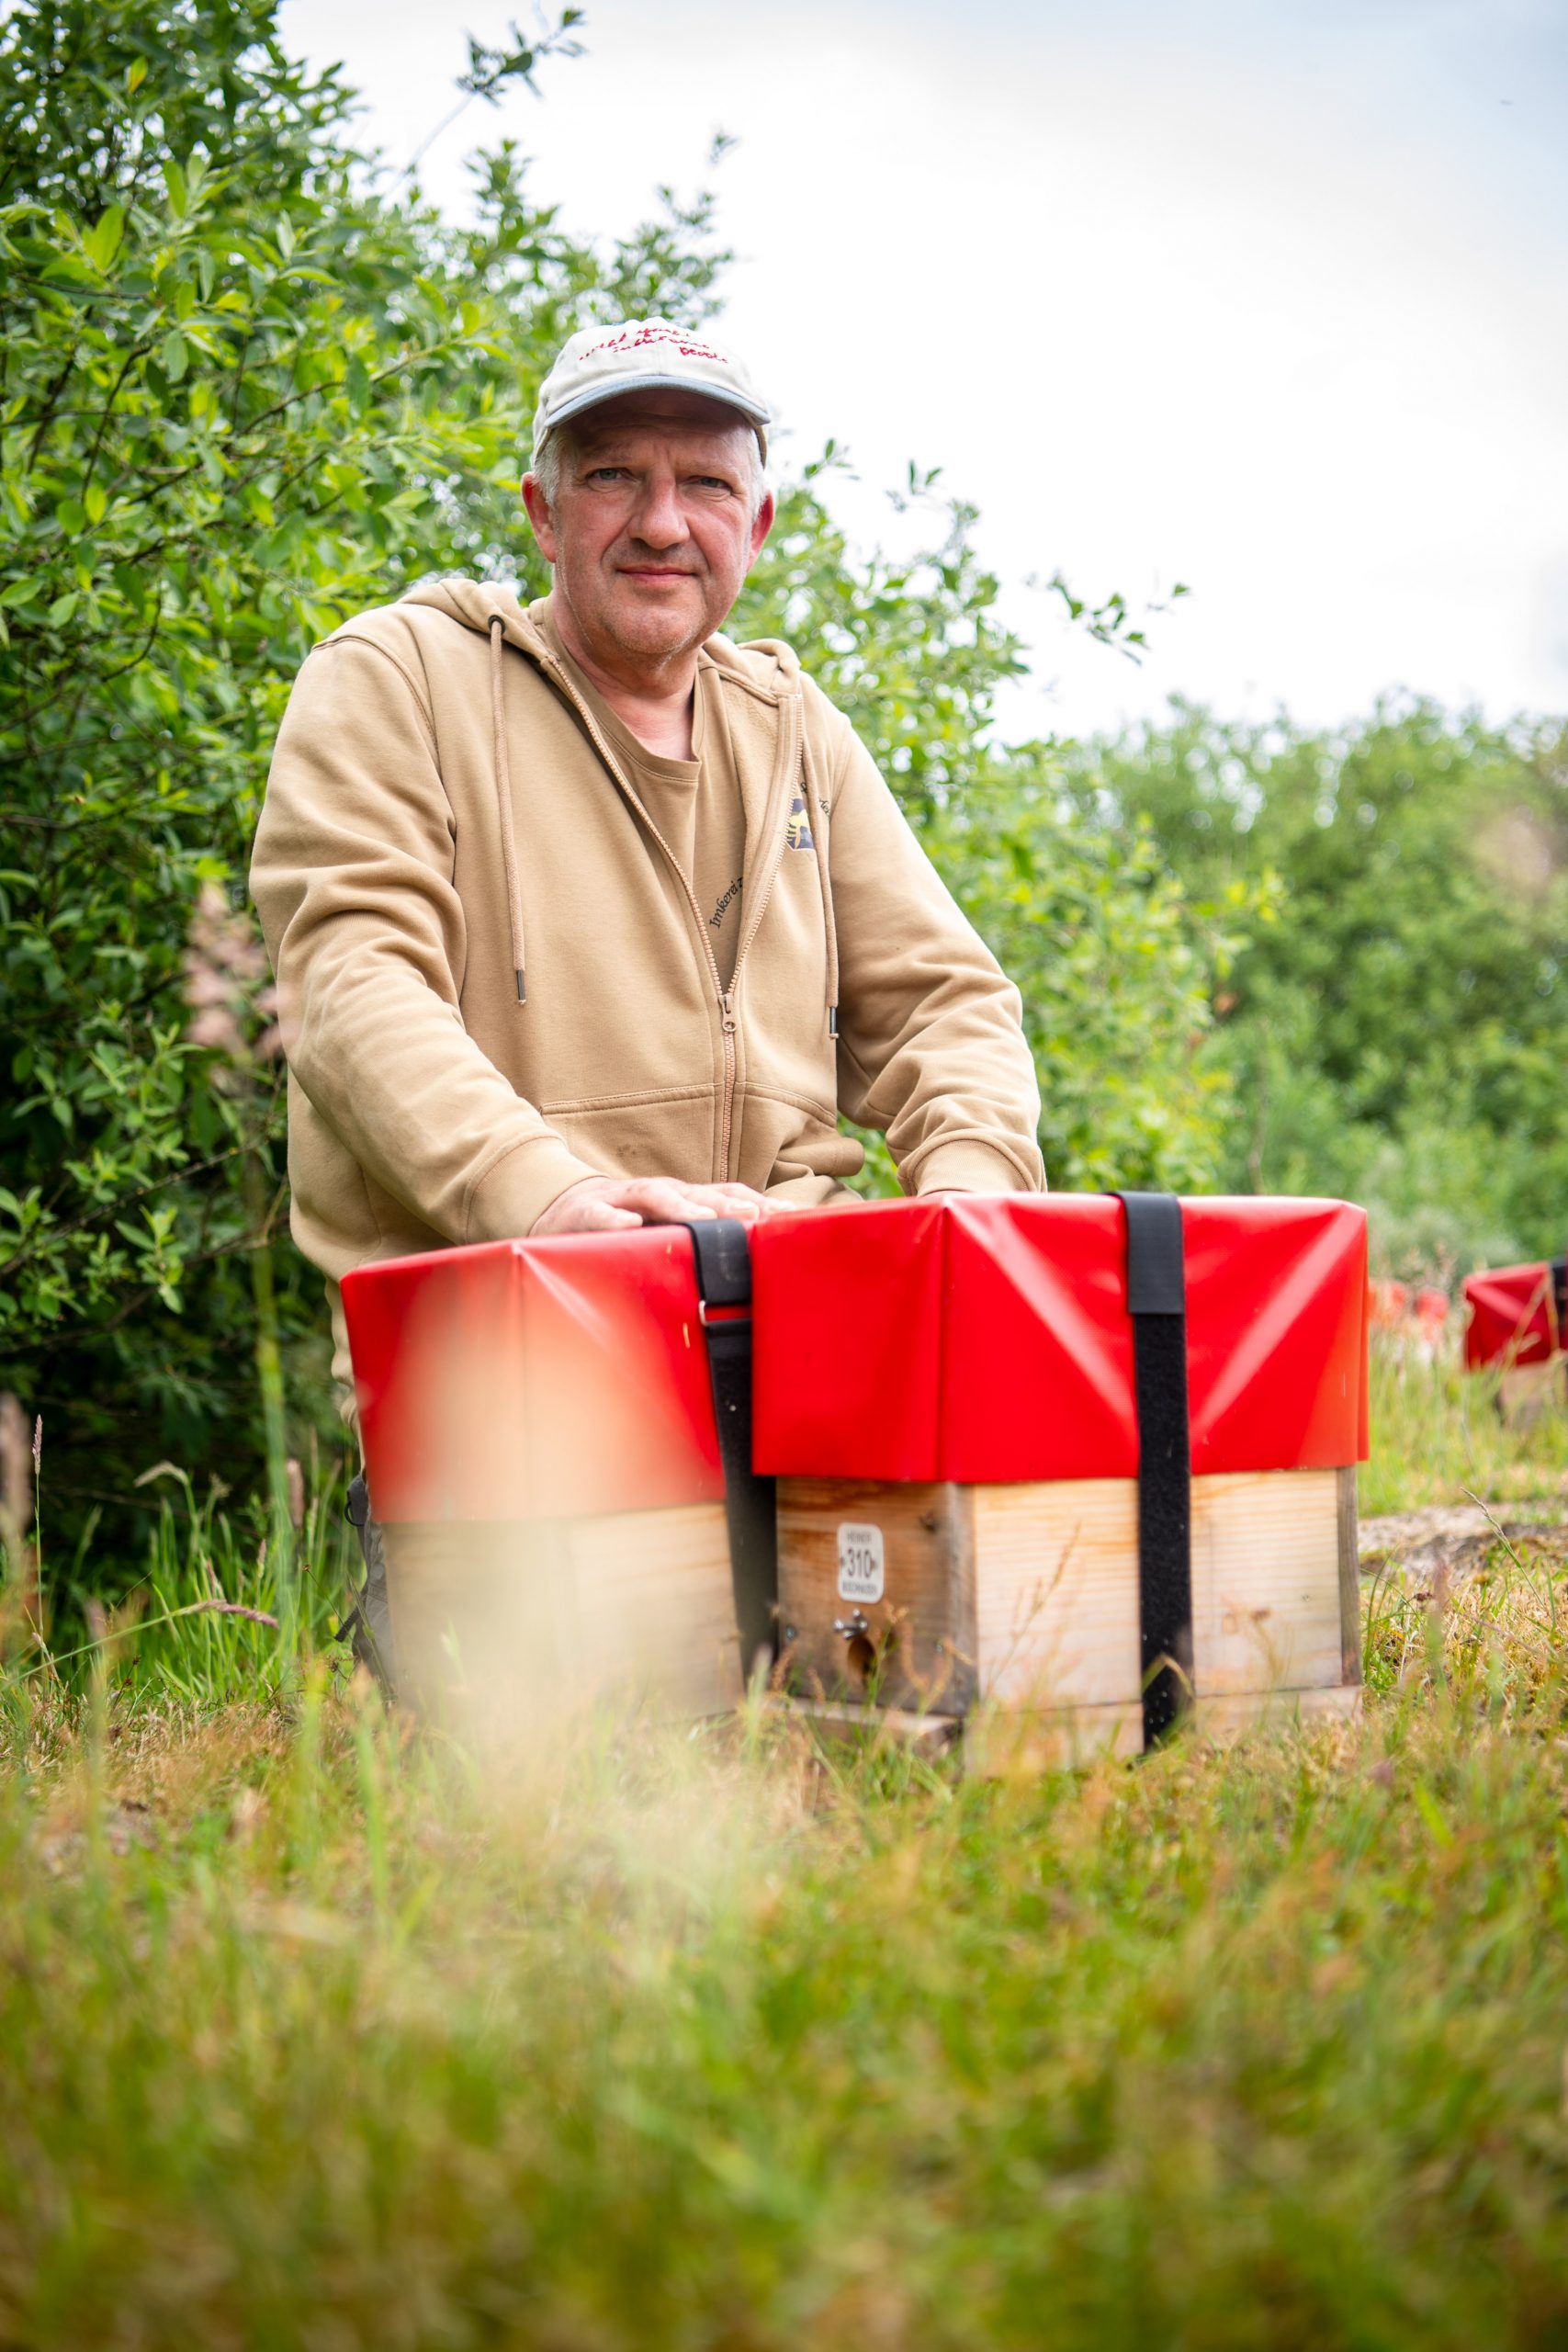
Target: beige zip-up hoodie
x,y
494,979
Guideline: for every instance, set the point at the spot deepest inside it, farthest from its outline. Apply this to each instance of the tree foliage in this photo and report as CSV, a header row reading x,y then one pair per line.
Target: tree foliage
x,y
1397,1021
1114,961
239,397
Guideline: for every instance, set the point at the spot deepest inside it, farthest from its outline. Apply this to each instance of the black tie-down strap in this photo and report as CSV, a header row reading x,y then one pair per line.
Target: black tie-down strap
x,y
723,1296
1156,1301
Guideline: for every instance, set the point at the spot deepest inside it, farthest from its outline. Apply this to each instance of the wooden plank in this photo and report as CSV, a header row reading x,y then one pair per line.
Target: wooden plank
x,y
1526,1391
1000,1741
1057,1592
1237,1713
838,1719
658,1604
914,1643
1056,1587
1265,1604
1032,1591
520,1622
1349,1578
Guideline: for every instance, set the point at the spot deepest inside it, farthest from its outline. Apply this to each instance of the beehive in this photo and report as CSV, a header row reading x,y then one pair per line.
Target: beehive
x,y
946,1391
537,1422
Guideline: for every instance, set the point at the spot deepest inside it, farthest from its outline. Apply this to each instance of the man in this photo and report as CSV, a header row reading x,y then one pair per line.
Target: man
x,y
582,916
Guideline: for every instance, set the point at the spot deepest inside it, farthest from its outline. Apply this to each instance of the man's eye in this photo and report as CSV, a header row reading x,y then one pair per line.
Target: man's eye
x,y
710,481
608,473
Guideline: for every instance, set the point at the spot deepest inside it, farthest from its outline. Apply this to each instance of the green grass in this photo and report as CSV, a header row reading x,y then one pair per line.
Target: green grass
x,y
1438,1435
316,2030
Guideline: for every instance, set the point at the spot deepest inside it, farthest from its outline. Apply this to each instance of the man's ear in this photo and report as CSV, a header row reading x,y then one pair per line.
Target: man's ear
x,y
761,526
539,516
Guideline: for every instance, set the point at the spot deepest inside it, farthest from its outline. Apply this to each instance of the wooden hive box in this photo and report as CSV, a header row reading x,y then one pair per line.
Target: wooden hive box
x,y
537,1422
948,1394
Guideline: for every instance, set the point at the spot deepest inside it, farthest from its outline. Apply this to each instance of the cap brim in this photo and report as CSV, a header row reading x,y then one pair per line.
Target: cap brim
x,y
756,415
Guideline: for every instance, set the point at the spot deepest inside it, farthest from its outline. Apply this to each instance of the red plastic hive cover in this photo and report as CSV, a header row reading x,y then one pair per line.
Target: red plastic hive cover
x,y
1513,1317
535,1379
986,1338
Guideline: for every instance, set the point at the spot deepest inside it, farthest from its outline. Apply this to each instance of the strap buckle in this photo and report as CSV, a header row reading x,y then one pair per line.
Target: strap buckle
x,y
706,1315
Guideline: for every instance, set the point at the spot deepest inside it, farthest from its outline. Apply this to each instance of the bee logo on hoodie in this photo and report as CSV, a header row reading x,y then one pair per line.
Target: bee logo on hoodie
x,y
798,833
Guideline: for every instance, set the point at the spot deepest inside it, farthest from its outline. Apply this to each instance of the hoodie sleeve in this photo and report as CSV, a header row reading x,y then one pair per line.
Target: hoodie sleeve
x,y
930,1040
352,877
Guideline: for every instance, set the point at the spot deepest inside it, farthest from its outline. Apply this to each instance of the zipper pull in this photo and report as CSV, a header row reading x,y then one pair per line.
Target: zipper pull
x,y
727,1006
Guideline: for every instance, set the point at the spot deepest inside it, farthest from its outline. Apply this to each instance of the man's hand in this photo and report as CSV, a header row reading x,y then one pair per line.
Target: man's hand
x,y
601,1203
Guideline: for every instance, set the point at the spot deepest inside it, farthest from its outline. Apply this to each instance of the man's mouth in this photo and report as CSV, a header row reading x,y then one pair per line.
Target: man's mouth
x,y
654,571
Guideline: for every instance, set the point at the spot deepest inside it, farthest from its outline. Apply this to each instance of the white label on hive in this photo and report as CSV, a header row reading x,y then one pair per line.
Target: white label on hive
x,y
860,1561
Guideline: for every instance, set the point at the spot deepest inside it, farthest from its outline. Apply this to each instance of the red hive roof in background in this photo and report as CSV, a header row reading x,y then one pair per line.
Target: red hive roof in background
x,y
1512,1318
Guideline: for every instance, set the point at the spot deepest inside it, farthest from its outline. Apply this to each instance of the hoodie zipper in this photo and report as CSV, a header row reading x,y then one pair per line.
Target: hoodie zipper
x,y
726,1014
790,716
726,997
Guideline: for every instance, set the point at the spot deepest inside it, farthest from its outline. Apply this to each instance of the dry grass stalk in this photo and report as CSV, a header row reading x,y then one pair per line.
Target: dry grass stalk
x,y
19,1452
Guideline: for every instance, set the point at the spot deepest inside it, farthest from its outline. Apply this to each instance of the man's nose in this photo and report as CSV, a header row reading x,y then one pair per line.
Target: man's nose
x,y
660,520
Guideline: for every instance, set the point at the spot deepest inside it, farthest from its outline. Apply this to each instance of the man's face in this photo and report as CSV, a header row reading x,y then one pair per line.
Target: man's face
x,y
652,533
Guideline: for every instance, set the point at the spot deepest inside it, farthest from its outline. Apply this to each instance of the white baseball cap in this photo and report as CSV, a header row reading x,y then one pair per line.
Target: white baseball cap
x,y
642,356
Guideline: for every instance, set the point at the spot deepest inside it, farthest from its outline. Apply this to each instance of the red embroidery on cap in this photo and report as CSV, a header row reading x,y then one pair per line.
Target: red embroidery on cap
x,y
638,338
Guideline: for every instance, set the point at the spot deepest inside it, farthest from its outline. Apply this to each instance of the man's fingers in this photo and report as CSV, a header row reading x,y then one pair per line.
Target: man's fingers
x,y
742,1201
739,1201
660,1200
600,1205
748,1203
597,1216
666,1201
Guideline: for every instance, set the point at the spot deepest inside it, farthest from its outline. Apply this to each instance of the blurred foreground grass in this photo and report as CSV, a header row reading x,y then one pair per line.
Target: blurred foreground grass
x,y
316,2030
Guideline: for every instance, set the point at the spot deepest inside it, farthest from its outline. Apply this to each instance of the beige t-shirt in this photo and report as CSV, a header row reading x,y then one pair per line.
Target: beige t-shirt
x,y
695,803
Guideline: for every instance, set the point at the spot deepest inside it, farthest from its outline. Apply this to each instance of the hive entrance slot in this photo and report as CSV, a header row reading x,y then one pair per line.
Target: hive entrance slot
x,y
862,1655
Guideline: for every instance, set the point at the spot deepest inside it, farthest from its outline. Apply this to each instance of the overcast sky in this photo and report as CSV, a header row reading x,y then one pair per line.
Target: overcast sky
x,y
1264,296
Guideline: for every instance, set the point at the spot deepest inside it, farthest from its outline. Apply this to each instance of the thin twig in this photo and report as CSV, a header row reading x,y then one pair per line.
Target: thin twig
x,y
1502,1536
145,1624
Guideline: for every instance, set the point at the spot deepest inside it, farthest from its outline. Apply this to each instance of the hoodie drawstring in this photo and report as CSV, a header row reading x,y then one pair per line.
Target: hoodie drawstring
x,y
816,825
504,797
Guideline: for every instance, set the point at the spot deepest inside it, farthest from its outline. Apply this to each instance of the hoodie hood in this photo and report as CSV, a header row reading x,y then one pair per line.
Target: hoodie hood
x,y
767,667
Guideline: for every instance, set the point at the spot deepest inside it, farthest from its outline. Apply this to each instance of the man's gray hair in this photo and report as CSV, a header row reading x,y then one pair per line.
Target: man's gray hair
x,y
546,461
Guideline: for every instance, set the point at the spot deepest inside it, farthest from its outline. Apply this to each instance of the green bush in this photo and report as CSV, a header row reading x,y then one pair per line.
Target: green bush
x,y
1397,1024
242,398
